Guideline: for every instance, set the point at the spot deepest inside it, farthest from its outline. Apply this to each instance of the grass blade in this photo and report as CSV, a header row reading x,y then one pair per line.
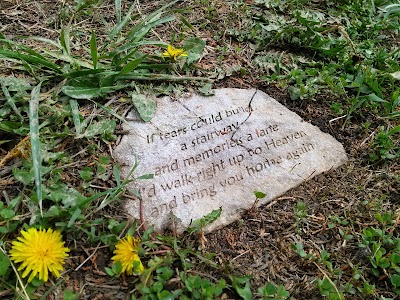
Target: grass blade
x,y
394,130
35,142
143,30
74,216
128,46
117,29
47,41
30,59
27,66
76,116
118,10
131,65
93,50
10,100
162,77
22,48
117,175
186,22
76,74
84,92
5,41
65,40
140,29
69,59
113,113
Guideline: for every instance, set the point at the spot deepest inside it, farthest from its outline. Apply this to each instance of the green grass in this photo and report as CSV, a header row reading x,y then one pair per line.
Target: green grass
x,y
69,95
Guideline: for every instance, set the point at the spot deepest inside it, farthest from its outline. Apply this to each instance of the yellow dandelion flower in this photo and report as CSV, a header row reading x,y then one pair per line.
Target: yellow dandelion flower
x,y
39,251
126,253
173,53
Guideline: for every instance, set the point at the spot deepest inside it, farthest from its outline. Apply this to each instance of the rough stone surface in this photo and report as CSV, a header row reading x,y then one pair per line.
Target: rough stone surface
x,y
212,152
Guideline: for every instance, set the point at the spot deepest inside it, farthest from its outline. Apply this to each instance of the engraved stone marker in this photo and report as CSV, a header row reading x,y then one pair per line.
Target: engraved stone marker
x,y
212,152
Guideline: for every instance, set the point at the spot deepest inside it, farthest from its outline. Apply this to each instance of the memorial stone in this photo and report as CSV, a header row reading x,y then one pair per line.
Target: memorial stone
x,y
214,152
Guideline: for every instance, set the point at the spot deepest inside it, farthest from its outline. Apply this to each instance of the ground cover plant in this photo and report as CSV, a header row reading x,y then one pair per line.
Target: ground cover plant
x,y
71,70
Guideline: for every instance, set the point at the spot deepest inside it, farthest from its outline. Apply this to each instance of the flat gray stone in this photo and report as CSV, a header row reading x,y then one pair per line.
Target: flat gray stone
x,y
212,152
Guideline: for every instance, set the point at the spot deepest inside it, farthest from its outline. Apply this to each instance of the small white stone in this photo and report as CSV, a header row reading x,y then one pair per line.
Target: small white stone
x,y
212,152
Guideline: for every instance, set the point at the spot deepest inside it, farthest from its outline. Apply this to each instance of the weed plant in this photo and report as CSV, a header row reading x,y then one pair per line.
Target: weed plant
x,y
346,49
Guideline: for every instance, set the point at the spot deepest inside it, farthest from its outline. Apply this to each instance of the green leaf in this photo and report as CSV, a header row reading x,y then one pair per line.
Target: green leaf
x,y
141,29
207,90
269,289
146,176
186,22
299,249
85,73
117,29
394,130
164,273
53,211
150,21
259,195
16,84
117,267
390,10
368,289
22,175
70,295
395,258
194,48
198,225
117,175
104,160
295,93
395,280
112,112
325,286
30,59
74,216
86,174
242,286
9,126
82,92
383,263
157,286
118,10
68,196
4,263
10,101
145,106
35,142
131,65
103,128
75,115
375,98
65,40
93,50
282,292
7,213
109,271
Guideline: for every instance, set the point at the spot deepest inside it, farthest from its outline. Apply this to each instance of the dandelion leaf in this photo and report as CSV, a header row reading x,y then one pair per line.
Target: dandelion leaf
x,y
145,106
194,48
197,225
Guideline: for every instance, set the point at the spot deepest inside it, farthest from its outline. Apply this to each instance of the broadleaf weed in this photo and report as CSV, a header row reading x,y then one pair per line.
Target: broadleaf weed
x,y
349,57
